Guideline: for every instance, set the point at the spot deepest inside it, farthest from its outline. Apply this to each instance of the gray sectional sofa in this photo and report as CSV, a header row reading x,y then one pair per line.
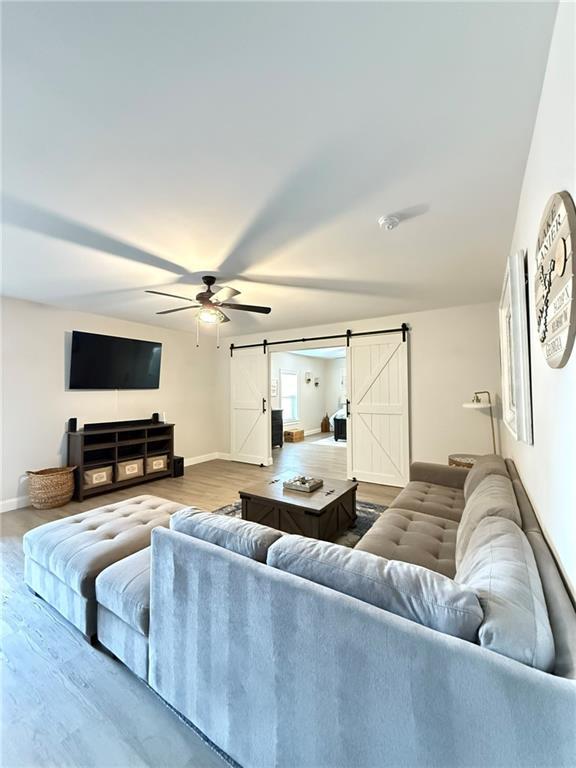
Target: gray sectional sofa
x,y
445,638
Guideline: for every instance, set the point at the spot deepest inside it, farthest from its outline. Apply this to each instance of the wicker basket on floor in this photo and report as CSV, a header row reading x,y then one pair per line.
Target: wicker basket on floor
x,y
51,487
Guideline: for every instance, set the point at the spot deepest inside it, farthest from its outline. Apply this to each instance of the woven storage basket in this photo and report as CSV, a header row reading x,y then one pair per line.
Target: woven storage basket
x,y
51,487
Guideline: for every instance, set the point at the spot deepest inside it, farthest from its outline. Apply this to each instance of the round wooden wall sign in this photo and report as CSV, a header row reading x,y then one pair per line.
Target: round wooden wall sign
x,y
555,279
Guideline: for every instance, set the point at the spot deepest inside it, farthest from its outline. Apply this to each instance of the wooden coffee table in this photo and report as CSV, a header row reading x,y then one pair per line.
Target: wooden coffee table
x,y
322,514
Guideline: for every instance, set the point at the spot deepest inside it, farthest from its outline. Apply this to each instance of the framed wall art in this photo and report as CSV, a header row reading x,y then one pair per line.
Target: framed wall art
x,y
555,281
515,350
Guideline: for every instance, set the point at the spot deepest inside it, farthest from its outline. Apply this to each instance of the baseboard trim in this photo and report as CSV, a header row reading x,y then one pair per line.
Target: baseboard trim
x,y
308,432
9,505
190,461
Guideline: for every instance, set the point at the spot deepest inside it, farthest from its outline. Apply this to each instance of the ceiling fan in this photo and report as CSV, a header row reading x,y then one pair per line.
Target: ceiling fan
x,y
210,302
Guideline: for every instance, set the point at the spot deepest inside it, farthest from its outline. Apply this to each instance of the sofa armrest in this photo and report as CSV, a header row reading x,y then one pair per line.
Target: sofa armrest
x,y
440,474
277,670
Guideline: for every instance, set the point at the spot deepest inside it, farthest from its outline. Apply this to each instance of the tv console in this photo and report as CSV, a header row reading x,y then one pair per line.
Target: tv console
x,y
108,444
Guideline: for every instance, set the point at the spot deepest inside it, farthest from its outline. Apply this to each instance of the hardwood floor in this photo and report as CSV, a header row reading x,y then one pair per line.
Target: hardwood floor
x,y
66,703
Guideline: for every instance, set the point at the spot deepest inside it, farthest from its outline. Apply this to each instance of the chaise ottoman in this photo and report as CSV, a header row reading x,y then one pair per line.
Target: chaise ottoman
x,y
123,612
64,557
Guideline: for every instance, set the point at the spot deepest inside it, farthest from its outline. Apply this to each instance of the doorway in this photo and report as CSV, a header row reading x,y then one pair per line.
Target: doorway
x,y
308,410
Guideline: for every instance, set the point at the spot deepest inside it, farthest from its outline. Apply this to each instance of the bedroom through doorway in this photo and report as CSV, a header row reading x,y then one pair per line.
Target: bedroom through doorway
x,y
308,410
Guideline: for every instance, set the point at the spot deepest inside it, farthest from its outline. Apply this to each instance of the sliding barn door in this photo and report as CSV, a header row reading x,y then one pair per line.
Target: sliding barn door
x,y
250,428
378,426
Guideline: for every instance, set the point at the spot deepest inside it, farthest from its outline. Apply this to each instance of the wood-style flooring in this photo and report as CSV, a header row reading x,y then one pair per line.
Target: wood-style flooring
x,y
65,703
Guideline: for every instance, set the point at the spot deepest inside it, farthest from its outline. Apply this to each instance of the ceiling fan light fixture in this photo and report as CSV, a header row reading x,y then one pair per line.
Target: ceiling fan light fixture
x,y
209,303
211,316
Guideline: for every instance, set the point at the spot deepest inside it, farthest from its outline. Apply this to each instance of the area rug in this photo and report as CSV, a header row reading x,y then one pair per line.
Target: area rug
x,y
366,515
331,441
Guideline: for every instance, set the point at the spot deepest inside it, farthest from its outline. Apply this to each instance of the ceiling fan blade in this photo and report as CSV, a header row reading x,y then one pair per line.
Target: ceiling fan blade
x,y
328,284
248,308
412,212
223,294
25,215
179,309
171,295
336,179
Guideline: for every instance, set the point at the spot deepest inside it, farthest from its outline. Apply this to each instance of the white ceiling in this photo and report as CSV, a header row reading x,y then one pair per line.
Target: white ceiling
x,y
146,144
329,353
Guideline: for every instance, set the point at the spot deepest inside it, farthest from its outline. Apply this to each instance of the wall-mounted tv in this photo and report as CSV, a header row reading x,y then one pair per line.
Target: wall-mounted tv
x,y
111,362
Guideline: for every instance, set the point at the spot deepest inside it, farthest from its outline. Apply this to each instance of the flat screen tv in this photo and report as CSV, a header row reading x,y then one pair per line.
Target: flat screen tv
x,y
110,362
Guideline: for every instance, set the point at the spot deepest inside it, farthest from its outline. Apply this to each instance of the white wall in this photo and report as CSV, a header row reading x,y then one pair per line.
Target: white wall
x,y
334,390
312,400
36,403
547,468
452,352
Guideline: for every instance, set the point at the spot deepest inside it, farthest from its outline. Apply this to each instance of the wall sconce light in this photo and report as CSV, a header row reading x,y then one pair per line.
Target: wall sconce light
x,y
307,377
316,381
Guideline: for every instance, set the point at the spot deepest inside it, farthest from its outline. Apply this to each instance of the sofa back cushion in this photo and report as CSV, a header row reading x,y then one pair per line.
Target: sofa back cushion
x,y
492,464
407,590
493,497
499,565
241,536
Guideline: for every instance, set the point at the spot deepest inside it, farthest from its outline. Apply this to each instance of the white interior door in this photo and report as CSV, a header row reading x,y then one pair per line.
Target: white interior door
x,y
378,424
249,387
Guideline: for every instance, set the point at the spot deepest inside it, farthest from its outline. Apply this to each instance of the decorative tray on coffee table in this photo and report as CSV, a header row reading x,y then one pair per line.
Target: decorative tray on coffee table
x,y
303,484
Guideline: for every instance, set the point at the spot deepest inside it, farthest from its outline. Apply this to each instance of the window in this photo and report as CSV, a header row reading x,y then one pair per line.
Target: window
x,y
289,395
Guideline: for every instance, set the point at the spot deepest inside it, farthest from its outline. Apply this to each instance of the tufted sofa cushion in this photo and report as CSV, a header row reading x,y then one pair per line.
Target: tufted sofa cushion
x,y
413,537
76,549
431,499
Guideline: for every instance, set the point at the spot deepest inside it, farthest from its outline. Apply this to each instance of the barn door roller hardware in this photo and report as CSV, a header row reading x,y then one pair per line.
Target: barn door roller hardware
x,y
404,328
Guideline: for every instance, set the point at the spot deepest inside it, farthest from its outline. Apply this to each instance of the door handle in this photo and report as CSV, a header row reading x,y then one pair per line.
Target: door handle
x,y
347,407
263,405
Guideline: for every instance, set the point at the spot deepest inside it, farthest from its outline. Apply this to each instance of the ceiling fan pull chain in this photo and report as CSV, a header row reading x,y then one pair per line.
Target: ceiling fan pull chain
x,y
218,336
197,331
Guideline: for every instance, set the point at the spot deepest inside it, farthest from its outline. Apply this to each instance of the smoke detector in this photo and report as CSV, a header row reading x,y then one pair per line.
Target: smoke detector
x,y
388,222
